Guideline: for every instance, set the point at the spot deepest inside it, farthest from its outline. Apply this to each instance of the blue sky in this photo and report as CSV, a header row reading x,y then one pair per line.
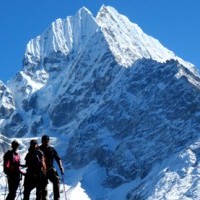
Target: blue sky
x,y
175,23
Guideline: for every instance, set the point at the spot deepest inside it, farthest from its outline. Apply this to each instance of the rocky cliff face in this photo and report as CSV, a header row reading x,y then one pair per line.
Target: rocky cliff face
x,y
144,118
7,106
115,94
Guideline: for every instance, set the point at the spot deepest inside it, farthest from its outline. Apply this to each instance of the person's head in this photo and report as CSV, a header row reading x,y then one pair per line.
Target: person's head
x,y
14,144
33,144
45,140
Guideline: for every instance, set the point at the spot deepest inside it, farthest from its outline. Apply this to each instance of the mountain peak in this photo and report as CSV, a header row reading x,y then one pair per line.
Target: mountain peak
x,y
126,39
129,43
107,9
49,52
62,36
84,10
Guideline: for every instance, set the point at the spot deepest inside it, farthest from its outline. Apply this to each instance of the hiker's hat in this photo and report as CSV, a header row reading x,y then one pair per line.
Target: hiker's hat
x,y
14,144
33,142
45,138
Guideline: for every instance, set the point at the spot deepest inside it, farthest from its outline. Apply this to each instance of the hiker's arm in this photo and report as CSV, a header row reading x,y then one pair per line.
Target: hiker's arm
x,y
61,166
22,173
23,165
59,161
26,161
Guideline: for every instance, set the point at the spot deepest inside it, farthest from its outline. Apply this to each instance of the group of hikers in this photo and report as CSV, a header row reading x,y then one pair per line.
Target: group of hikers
x,y
39,169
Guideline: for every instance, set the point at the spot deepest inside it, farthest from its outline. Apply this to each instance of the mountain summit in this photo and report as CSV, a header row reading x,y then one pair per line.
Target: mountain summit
x,y
125,109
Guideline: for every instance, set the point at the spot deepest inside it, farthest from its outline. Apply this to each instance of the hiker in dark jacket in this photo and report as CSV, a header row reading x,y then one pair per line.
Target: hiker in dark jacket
x,y
36,172
51,155
11,169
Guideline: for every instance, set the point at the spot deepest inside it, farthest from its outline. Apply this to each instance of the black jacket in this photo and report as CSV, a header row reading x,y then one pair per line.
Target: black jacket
x,y
50,154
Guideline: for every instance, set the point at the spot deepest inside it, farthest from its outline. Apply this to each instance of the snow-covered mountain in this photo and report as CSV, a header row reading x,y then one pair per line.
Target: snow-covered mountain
x,y
7,106
125,109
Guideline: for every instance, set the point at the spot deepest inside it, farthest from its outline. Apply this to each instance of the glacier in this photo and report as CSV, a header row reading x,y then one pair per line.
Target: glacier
x,y
122,110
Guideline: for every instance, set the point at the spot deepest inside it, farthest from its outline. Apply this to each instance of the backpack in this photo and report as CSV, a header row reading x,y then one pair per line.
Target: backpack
x,y
11,163
36,162
40,161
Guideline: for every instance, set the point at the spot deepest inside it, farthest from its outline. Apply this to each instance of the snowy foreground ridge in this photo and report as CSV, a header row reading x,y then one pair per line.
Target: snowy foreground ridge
x,y
122,110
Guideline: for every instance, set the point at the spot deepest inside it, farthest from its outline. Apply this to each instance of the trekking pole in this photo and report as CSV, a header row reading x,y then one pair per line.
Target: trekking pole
x,y
20,191
6,188
64,186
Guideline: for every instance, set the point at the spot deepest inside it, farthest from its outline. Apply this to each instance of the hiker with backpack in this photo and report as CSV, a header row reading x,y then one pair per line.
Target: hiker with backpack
x,y
36,172
11,166
52,175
